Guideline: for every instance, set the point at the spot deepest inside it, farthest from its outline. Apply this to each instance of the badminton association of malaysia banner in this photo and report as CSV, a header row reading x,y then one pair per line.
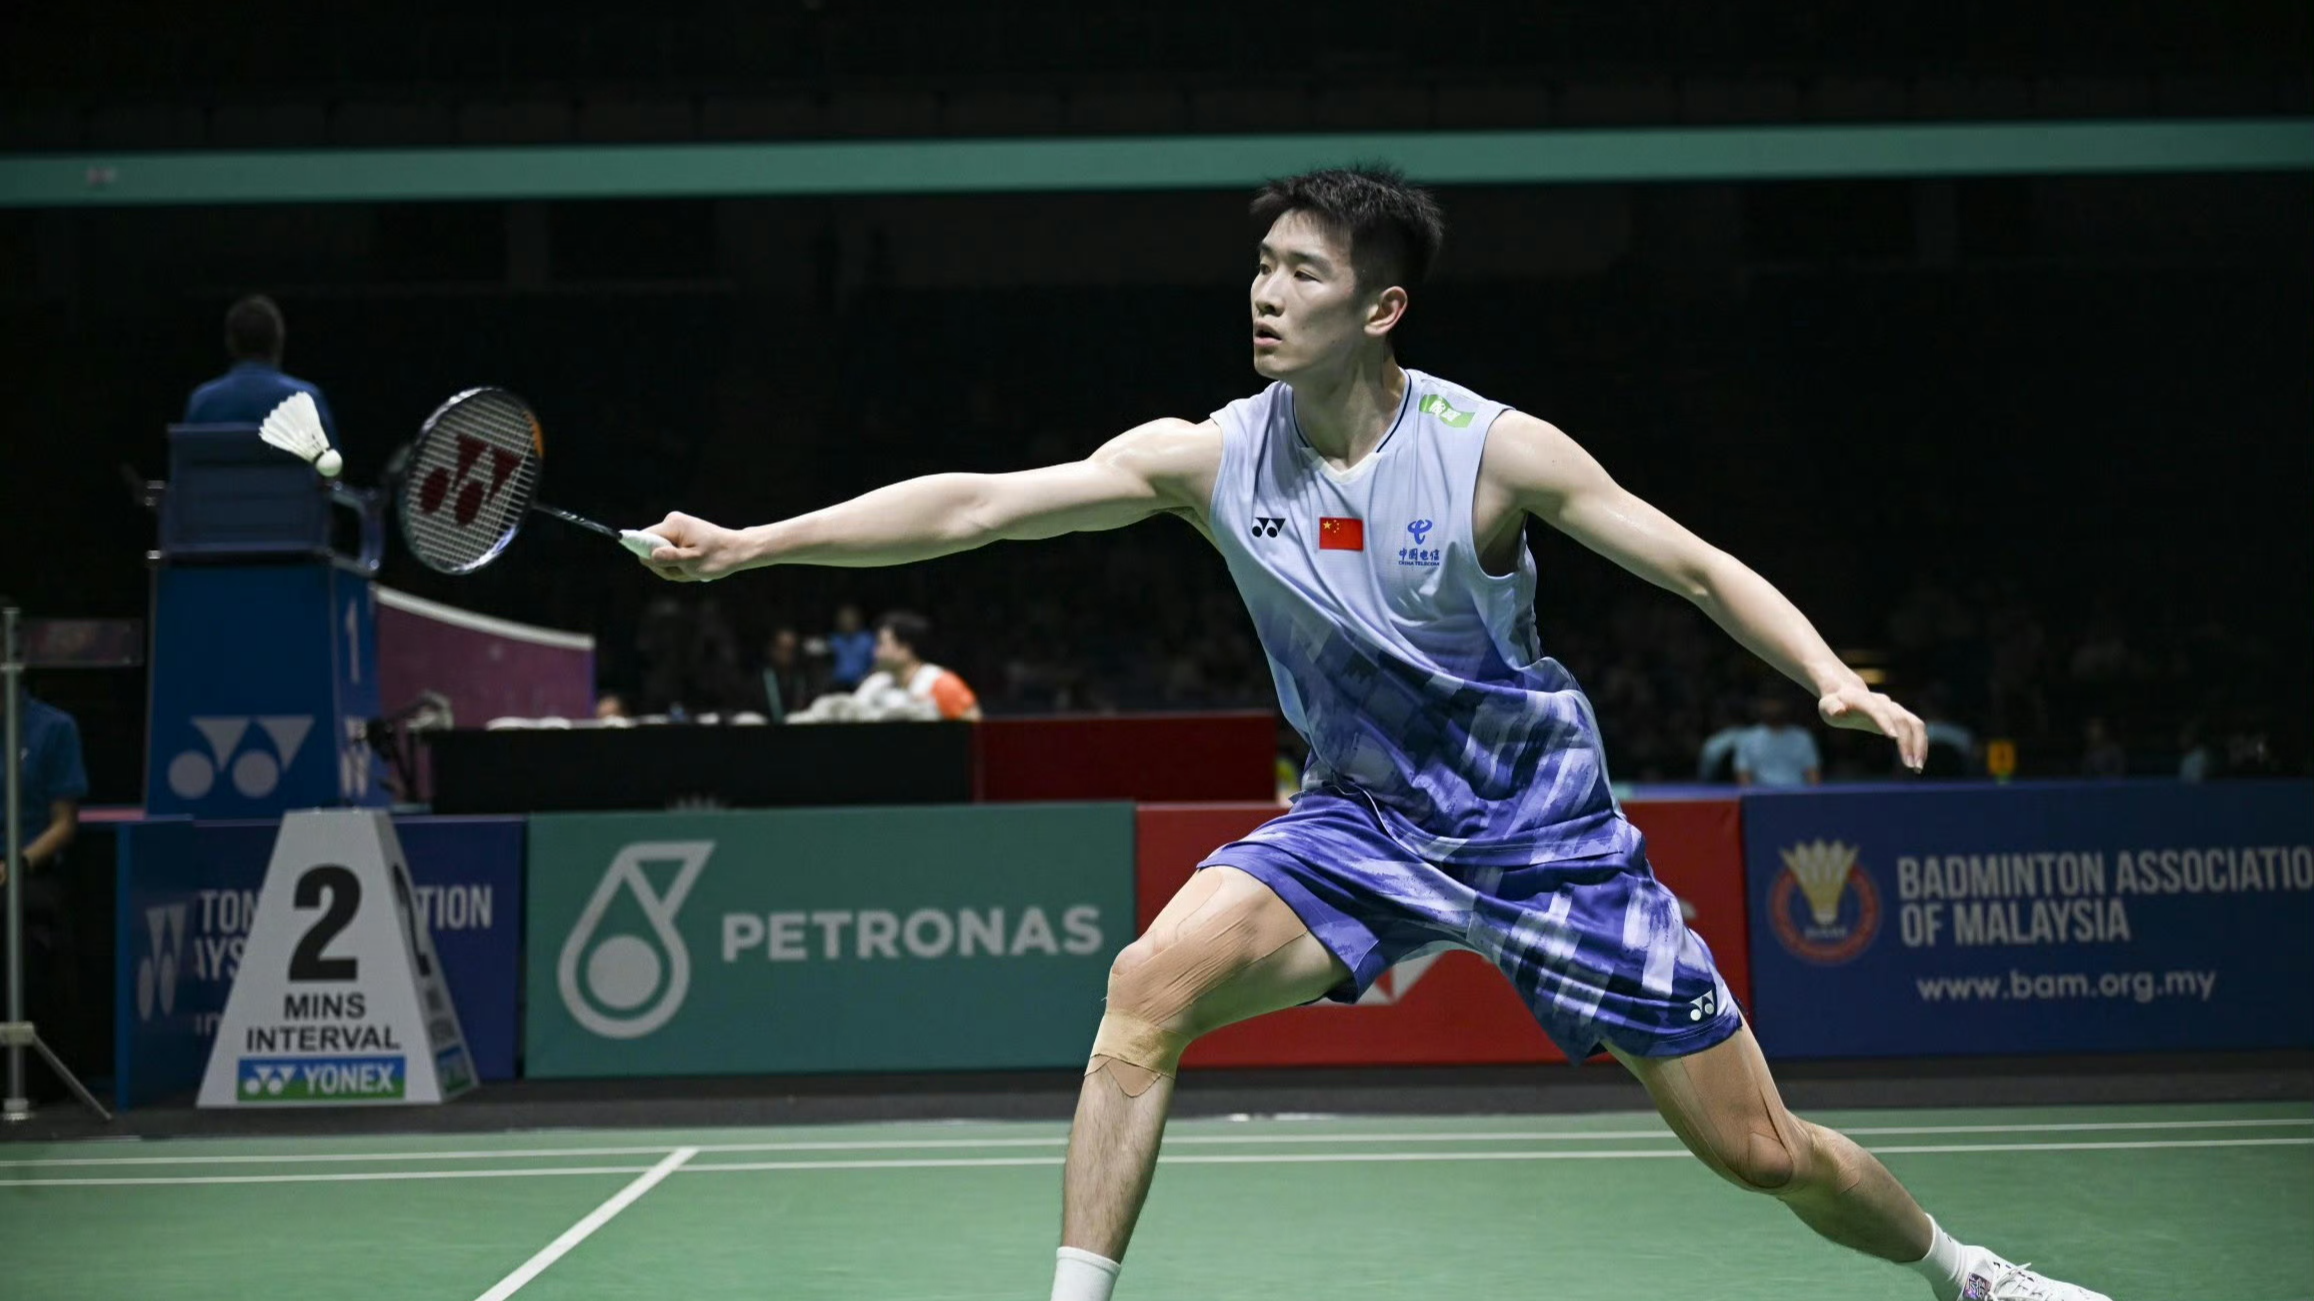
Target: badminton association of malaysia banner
x,y
1448,1009
188,893
917,938
2138,916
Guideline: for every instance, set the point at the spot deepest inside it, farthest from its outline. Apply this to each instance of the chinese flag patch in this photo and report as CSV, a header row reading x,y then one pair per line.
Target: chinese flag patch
x,y
1338,534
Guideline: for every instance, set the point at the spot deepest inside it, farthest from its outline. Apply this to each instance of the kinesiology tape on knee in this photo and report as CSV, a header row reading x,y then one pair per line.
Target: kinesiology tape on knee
x,y
1135,1053
1153,1004
1743,1132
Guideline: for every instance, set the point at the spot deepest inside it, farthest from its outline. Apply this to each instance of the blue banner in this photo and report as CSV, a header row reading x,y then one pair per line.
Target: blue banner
x,y
2119,917
188,891
262,679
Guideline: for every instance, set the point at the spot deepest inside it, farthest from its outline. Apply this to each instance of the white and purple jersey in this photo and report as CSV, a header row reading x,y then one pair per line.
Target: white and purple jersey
x,y
1416,677
1457,794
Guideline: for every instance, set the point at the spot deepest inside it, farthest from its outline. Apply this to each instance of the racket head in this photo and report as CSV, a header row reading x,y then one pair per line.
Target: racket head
x,y
471,475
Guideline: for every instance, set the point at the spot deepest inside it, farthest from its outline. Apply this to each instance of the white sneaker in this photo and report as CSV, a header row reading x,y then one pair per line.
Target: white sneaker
x,y
1990,1278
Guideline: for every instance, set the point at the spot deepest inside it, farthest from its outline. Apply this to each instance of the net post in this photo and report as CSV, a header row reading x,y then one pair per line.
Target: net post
x,y
16,1106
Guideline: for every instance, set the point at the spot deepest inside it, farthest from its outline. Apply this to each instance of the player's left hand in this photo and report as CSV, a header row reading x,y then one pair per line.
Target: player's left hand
x,y
1865,710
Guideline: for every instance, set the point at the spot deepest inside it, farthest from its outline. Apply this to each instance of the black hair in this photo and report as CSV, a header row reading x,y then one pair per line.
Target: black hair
x,y
910,629
254,329
1394,230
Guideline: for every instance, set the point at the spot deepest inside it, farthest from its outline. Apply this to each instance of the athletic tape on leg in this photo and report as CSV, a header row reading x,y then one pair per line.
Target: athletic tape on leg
x,y
1159,1003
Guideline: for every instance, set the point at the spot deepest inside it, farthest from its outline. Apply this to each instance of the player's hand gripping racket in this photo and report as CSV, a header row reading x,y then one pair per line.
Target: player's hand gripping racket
x,y
470,480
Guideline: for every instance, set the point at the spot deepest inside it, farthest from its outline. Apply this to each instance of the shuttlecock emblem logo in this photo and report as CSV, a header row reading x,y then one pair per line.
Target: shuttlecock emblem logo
x,y
1825,908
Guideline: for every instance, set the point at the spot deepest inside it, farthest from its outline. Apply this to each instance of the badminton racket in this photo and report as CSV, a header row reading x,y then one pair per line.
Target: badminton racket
x,y
470,481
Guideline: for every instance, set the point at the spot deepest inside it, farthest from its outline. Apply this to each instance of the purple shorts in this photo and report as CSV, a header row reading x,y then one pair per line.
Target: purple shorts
x,y
1595,945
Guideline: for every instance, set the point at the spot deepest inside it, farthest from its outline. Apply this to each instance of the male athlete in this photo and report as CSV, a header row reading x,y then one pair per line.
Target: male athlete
x,y
1456,794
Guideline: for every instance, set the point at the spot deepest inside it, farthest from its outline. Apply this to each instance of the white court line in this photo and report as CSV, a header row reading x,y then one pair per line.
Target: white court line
x,y
595,1219
341,1177
1249,1158
1339,1158
1057,1140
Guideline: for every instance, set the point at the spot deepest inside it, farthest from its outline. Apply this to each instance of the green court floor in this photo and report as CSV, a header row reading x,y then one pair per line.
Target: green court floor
x,y
2147,1203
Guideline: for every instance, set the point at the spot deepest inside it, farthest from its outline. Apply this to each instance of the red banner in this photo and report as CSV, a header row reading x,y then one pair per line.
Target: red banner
x,y
1148,757
1454,1009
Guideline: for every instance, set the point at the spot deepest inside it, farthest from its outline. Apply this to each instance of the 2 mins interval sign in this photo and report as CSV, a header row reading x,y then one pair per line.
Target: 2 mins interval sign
x,y
339,998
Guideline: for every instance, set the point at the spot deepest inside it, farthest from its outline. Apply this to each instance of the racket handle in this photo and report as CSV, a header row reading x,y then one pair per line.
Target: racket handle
x,y
640,542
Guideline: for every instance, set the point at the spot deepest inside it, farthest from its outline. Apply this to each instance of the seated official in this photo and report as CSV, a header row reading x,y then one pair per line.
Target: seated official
x,y
255,385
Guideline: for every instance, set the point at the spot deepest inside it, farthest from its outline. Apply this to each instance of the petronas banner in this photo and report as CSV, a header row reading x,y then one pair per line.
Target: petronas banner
x,y
900,939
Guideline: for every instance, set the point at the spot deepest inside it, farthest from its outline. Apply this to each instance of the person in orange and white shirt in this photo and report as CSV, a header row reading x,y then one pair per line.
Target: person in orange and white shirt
x,y
902,671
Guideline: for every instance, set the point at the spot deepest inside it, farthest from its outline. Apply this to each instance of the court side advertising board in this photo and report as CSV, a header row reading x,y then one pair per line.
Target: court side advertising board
x,y
339,999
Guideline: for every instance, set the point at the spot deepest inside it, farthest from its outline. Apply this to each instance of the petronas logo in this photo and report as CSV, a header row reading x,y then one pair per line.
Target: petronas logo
x,y
1443,412
624,968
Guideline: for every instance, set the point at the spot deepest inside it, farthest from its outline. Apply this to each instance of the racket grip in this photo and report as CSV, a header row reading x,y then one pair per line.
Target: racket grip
x,y
640,542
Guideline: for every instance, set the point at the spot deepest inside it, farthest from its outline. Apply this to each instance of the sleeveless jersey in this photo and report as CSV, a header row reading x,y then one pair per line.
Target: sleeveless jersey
x,y
1416,677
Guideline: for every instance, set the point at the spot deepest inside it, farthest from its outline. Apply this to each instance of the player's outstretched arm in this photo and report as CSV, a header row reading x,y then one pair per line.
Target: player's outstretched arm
x,y
1552,478
1165,465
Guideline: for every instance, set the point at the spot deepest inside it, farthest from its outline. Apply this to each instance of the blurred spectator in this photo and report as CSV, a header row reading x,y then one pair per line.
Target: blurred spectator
x,y
854,647
2248,754
2101,754
690,660
1952,747
1716,761
786,677
2196,761
900,667
610,707
247,393
2020,704
1777,752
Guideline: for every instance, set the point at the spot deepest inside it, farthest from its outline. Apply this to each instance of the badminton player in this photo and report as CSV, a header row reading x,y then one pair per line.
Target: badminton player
x,y
1456,793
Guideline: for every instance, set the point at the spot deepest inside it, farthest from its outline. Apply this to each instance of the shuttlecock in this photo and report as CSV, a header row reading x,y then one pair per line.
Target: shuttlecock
x,y
295,428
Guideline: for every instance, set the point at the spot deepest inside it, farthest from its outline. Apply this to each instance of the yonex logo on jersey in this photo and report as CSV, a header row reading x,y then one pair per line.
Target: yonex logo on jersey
x,y
1443,412
1266,527
1699,1008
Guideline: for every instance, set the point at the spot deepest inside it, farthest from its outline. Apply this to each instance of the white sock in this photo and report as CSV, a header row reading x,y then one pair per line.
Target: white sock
x,y
1943,1264
1083,1276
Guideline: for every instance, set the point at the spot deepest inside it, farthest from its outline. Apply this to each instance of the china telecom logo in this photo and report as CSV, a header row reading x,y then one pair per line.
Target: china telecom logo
x,y
1823,904
1425,557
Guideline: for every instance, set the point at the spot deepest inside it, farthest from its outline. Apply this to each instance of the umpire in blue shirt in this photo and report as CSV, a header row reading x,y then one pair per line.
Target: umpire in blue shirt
x,y
246,394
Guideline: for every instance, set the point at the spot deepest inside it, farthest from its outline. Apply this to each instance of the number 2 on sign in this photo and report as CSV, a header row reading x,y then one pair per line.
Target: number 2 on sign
x,y
344,891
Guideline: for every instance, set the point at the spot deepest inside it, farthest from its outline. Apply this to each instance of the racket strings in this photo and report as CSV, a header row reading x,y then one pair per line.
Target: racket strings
x,y
471,479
